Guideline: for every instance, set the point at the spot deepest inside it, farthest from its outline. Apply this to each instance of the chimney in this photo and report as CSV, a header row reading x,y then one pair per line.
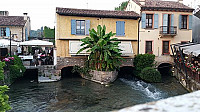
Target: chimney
x,y
180,1
25,16
142,2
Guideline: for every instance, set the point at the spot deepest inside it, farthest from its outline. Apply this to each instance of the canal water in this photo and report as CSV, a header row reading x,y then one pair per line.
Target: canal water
x,y
79,95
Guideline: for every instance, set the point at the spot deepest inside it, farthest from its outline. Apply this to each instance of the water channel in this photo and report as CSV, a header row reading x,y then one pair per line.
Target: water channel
x,y
80,95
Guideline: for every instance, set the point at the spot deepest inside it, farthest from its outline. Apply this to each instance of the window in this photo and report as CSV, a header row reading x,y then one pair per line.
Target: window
x,y
184,22
149,20
80,27
3,32
165,47
148,47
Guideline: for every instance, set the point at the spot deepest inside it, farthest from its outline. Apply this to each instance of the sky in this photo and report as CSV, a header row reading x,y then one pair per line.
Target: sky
x,y
42,12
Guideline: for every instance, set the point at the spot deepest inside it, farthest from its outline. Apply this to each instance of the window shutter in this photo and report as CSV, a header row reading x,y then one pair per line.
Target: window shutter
x,y
165,23
7,32
143,20
87,27
0,32
26,34
190,22
73,27
172,23
120,28
180,21
156,21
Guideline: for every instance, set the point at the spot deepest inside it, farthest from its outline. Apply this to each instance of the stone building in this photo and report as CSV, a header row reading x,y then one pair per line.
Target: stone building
x,y
74,24
17,27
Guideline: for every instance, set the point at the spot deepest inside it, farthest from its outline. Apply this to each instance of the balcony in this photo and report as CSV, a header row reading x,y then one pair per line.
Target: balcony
x,y
168,30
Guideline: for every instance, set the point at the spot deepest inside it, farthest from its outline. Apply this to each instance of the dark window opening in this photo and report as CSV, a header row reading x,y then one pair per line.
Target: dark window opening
x,y
184,22
165,47
149,20
148,47
3,32
80,27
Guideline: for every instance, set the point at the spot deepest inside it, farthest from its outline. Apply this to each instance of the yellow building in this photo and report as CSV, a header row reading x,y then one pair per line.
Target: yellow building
x,y
74,24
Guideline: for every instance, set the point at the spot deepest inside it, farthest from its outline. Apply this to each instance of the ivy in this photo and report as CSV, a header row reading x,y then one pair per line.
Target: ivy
x,y
122,6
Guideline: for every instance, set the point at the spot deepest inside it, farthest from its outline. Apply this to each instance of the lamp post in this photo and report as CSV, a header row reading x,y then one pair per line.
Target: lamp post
x,y
11,36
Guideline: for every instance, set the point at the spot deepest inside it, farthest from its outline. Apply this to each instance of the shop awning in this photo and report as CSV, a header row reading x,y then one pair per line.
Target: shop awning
x,y
36,43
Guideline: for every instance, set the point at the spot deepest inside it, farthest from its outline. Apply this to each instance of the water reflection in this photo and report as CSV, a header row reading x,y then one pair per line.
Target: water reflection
x,y
75,94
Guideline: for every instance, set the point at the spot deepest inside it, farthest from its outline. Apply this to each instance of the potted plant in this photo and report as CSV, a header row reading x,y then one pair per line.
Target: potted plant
x,y
105,56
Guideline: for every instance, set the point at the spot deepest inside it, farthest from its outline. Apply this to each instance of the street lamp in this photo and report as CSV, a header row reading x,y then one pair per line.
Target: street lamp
x,y
11,36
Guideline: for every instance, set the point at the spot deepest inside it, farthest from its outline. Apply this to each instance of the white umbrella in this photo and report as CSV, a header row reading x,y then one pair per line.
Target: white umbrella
x,y
6,42
36,43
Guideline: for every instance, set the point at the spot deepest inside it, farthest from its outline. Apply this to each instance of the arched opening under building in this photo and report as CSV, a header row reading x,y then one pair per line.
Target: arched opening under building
x,y
165,70
66,72
126,72
31,74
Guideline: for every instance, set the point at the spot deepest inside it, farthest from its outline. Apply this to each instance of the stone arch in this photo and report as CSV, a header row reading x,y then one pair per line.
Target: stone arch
x,y
165,68
126,72
66,72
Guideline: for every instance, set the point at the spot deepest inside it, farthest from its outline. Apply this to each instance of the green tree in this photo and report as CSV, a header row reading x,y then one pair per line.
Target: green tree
x,y
105,54
122,6
49,33
4,104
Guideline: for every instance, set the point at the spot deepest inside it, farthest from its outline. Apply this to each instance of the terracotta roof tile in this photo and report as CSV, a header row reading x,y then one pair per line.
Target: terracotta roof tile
x,y
163,4
12,21
97,13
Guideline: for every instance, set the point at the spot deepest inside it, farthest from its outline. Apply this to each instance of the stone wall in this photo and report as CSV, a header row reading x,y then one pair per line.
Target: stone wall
x,y
72,61
48,70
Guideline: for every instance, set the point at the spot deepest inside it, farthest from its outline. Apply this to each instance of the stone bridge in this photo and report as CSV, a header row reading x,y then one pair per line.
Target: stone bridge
x,y
164,59
72,61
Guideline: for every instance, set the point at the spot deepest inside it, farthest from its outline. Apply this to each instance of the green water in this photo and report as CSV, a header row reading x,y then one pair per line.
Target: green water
x,y
79,95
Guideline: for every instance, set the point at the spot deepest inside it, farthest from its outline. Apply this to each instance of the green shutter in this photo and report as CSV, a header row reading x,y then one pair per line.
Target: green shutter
x,y
143,20
190,22
155,21
172,23
73,27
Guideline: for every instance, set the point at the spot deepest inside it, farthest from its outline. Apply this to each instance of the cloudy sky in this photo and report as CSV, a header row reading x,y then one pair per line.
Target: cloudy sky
x,y
42,12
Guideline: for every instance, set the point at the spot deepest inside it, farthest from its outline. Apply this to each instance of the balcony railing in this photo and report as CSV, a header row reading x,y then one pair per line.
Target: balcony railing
x,y
168,30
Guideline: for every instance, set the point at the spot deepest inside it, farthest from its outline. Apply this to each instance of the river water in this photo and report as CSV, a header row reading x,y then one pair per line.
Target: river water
x,y
79,95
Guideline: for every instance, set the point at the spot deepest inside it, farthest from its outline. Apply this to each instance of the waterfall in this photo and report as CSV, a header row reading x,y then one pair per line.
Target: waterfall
x,y
148,89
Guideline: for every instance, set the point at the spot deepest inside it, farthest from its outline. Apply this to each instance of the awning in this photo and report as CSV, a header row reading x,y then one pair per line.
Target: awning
x,y
36,43
192,49
6,42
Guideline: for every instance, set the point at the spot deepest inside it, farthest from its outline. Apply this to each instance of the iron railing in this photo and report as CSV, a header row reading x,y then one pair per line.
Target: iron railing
x,y
168,30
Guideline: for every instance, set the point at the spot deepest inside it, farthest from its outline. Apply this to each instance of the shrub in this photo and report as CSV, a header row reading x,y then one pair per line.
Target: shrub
x,y
149,74
142,61
4,104
18,62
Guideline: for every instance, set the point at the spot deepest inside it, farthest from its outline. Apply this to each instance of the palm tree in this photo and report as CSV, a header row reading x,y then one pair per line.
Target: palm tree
x,y
105,54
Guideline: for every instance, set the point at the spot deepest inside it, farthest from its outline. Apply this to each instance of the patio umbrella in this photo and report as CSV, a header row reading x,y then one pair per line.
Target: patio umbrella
x,y
36,43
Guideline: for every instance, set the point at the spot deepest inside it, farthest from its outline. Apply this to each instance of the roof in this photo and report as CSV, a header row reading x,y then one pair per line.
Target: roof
x,y
97,13
164,5
12,21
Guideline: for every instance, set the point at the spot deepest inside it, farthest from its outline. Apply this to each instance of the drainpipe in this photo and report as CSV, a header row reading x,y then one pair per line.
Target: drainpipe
x,y
139,35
